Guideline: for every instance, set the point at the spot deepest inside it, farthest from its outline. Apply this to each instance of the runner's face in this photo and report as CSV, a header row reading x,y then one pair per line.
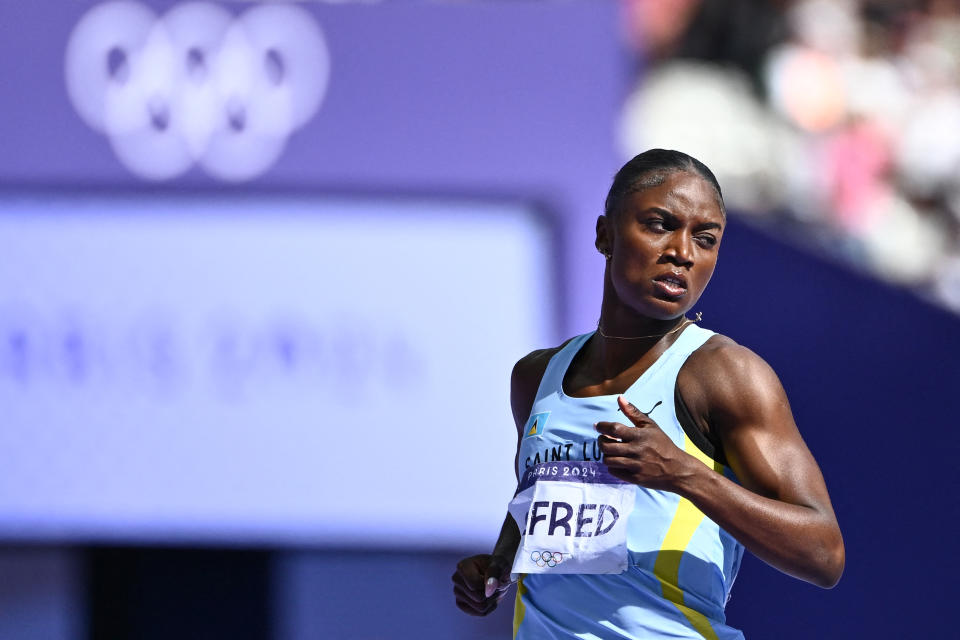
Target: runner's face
x,y
664,245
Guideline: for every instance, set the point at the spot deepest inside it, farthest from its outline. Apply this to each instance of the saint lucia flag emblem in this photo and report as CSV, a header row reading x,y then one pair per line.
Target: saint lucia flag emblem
x,y
535,424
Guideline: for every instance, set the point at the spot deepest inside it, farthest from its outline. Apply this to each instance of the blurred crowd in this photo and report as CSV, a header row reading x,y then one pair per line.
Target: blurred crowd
x,y
840,118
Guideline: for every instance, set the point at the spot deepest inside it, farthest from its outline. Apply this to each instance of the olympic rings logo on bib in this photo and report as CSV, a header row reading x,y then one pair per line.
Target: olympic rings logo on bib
x,y
572,518
197,85
546,558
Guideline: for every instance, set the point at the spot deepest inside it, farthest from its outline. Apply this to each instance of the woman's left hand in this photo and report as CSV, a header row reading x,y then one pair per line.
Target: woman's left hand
x,y
642,454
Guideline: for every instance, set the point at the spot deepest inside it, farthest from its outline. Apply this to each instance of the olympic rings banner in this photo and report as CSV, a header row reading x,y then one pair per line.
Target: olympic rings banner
x,y
197,85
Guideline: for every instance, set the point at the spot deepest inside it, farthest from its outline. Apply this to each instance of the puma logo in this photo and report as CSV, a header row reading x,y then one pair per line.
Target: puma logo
x,y
647,413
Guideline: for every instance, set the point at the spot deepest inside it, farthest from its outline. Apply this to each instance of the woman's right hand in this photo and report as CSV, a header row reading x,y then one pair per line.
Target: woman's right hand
x,y
480,583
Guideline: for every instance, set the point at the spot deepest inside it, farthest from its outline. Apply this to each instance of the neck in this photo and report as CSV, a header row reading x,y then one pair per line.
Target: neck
x,y
624,336
641,328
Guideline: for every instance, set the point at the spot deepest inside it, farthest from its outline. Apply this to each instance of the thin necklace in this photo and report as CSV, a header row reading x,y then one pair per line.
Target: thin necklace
x,y
685,322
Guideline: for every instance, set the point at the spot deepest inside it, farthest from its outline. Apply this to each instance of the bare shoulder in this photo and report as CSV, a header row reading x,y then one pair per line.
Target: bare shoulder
x,y
724,380
722,357
529,369
525,380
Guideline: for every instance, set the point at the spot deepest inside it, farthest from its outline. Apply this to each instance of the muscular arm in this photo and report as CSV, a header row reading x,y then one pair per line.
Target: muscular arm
x,y
481,581
780,511
524,382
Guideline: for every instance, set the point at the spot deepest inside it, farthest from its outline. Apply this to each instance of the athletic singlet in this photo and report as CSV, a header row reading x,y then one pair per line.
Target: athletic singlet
x,y
681,565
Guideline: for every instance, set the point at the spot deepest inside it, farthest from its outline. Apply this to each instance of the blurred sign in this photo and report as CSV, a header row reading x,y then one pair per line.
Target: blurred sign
x,y
197,85
263,369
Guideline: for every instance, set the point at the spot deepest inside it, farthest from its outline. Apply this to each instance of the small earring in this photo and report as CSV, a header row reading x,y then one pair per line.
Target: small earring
x,y
606,255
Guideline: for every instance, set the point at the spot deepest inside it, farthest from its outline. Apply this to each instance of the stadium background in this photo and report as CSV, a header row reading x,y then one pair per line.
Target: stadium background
x,y
447,116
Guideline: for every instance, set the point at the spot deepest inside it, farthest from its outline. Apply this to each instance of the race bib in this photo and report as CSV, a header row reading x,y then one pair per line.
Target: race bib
x,y
573,519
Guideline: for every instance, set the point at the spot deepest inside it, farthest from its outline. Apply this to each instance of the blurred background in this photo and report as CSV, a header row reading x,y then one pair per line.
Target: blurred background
x,y
265,268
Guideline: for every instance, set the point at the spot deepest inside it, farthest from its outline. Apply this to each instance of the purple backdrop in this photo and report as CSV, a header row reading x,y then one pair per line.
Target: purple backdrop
x,y
500,99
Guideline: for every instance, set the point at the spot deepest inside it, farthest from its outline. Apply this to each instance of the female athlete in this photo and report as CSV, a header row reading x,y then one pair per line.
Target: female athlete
x,y
678,445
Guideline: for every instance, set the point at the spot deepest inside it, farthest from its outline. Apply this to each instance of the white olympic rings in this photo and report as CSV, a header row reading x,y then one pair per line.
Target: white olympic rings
x,y
197,85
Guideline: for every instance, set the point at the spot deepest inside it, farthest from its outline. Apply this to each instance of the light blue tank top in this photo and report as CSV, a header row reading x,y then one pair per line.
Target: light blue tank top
x,y
681,564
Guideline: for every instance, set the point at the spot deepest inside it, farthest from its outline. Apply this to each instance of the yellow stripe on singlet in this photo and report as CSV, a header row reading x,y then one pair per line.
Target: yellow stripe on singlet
x,y
519,609
667,566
